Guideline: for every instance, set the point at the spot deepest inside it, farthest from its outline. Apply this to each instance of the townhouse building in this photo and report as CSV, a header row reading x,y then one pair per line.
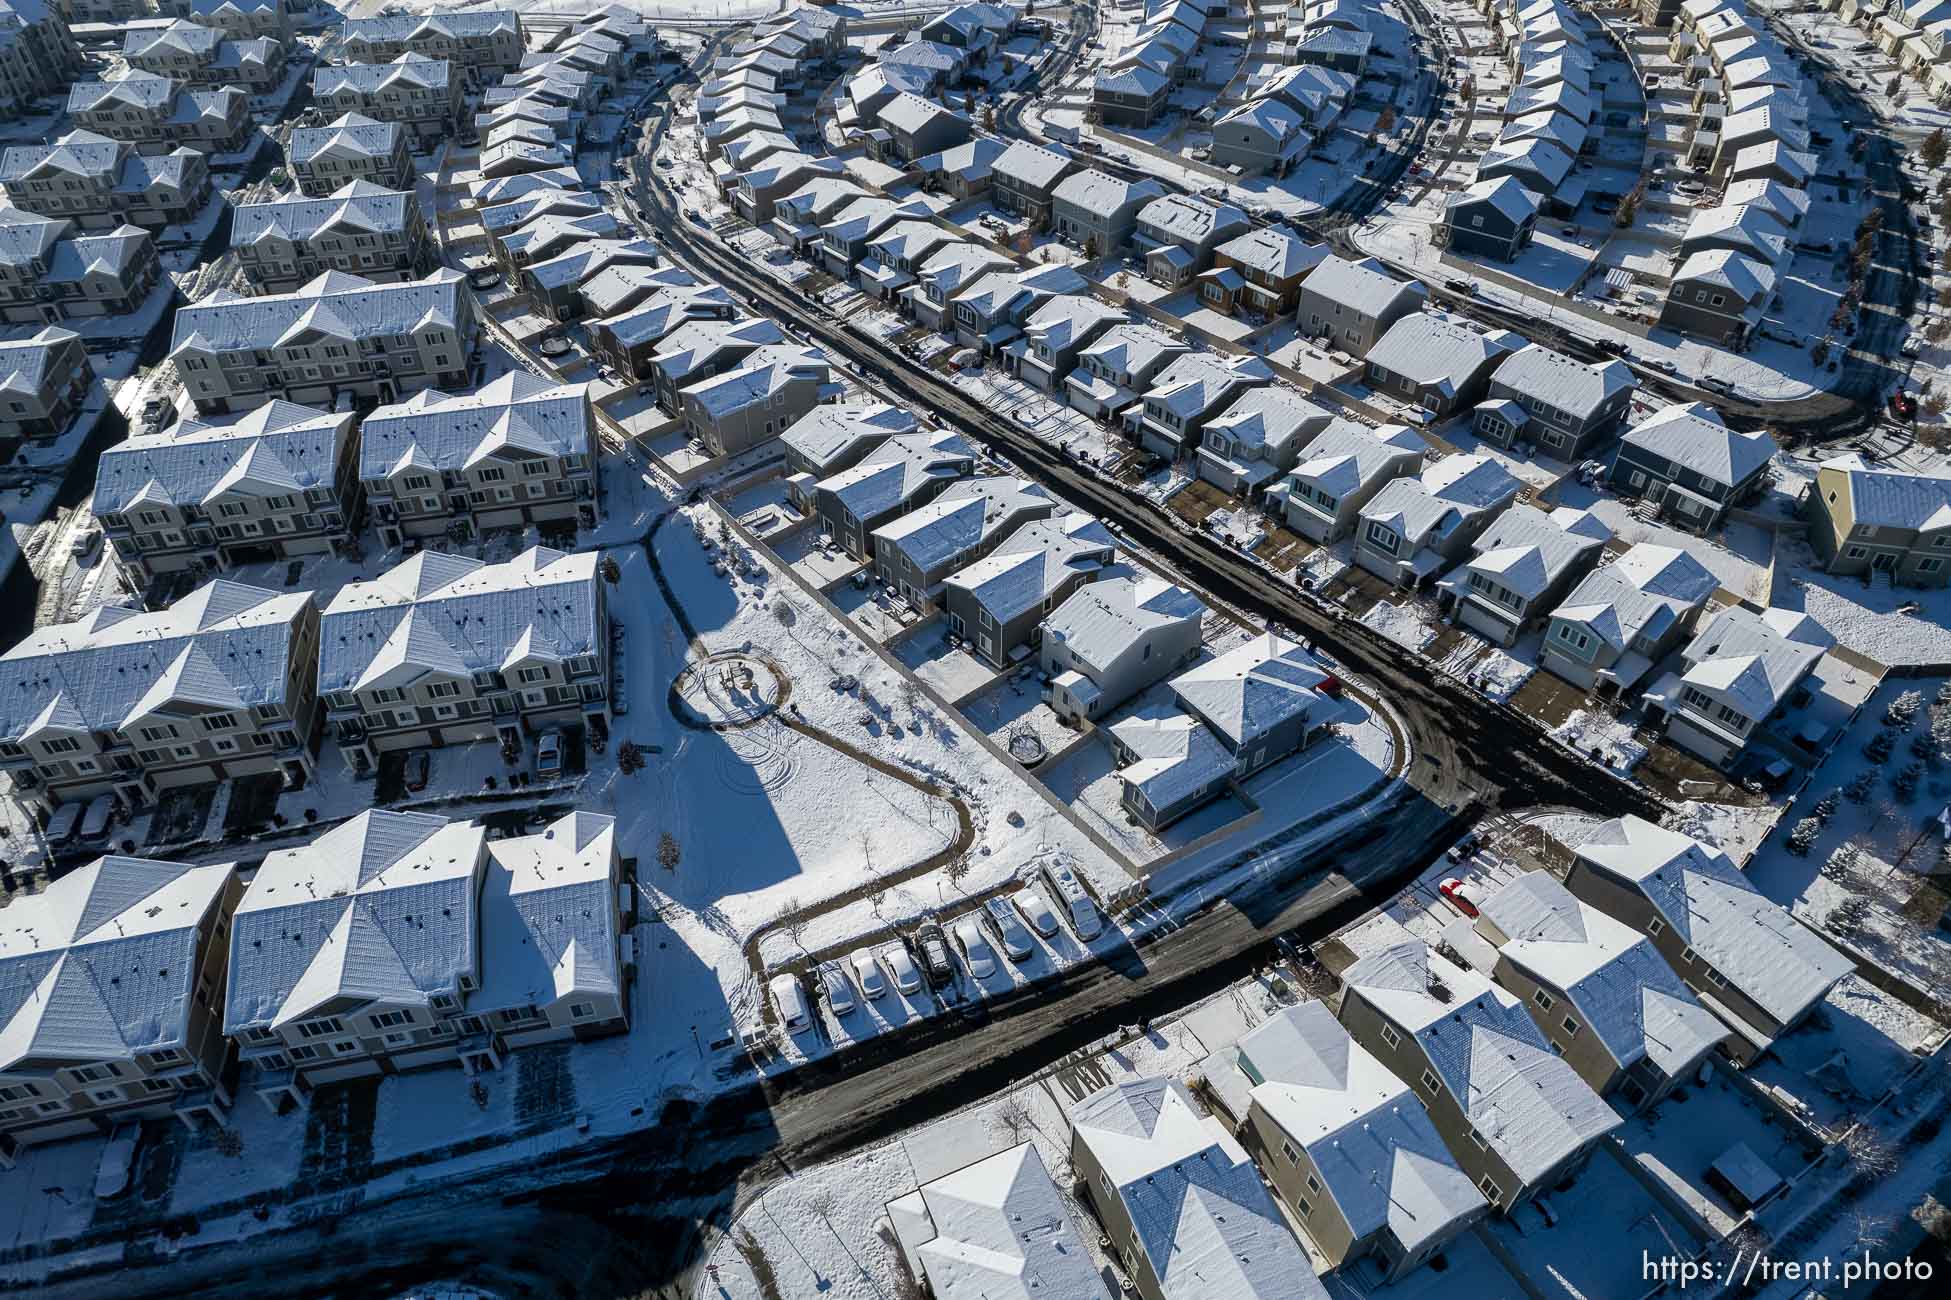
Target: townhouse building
x,y
45,379
352,148
359,229
444,650
1115,638
758,398
1626,616
128,703
157,114
1351,305
103,184
484,44
276,483
557,287
239,19
203,56
1749,961
1566,408
831,438
1600,992
116,975
1871,521
916,552
899,474
517,451
38,54
423,95
1340,471
339,334
998,602
50,272
1516,1117
518,941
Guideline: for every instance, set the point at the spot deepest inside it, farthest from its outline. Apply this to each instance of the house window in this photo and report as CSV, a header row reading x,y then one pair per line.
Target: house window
x,y
1391,1037
1715,978
1543,999
320,1028
1286,1149
1483,1143
392,1019
61,745
1687,956
1571,1027
1313,1185
1431,1083
442,690
1654,926
581,1010
1491,1191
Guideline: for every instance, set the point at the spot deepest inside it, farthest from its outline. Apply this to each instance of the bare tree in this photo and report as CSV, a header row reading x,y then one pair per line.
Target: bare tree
x,y
1015,1117
1868,1152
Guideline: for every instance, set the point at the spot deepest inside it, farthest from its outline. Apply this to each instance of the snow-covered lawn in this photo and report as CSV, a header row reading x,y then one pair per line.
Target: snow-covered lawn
x,y
1493,670
1411,624
1612,738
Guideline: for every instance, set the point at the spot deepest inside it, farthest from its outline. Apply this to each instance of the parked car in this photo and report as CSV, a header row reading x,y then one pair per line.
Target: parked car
x,y
839,992
548,754
84,543
94,822
1463,897
60,827
867,974
975,948
1903,407
1008,929
1036,910
418,764
789,1000
112,1175
1714,384
901,967
933,946
1085,919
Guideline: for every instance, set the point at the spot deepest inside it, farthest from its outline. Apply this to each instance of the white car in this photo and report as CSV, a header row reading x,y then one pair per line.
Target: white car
x,y
867,974
1017,945
839,993
975,948
1036,910
902,968
118,1161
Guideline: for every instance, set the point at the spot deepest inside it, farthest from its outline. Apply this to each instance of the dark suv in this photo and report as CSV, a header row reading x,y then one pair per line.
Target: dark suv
x,y
933,947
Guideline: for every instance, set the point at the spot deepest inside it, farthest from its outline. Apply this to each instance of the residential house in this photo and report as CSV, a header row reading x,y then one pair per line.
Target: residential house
x,y
325,159
996,1226
1257,438
1739,671
1748,960
1599,991
1189,392
1719,296
625,286
1866,521
1352,304
1180,1199
1546,399
696,351
1738,228
419,93
1344,1142
1516,1116
1132,96
759,397
916,552
104,184
1024,180
1271,262
516,941
1332,47
359,229
918,127
239,18
555,286
274,484
446,650
49,272
1098,212
631,339
1436,364
902,473
830,438
1112,372
1055,333
948,272
1177,235
157,114
484,44
998,603
1339,471
114,973
38,55
130,704
516,451
801,213
1114,639
1414,528
1626,616
1265,136
990,313
961,172
204,56
845,236
1690,465
44,379
1494,217
338,334
896,254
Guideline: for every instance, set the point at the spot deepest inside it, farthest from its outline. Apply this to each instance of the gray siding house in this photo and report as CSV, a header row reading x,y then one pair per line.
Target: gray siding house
x,y
998,603
1564,407
1098,212
1352,304
1114,639
1339,471
1626,616
1690,465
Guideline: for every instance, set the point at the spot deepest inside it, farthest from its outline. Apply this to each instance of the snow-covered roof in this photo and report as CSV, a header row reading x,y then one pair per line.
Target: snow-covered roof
x,y
1891,499
652,307
1755,660
1364,286
1526,550
1616,979
1205,1222
1446,492
462,25
24,362
1692,434
969,513
1132,347
1753,228
761,376
1786,205
381,909
356,208
1264,421
1034,562
997,1229
346,136
897,470
223,646
1512,200
1252,689
1578,388
1176,755
1199,381
1100,192
1067,319
448,615
1775,960
1274,251
1437,352
1188,219
829,431
1379,1155
1541,161
103,963
1101,620
911,113
516,417
1642,593
1527,1103
273,450
549,915
1031,165
334,305
409,71
973,160
1347,456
